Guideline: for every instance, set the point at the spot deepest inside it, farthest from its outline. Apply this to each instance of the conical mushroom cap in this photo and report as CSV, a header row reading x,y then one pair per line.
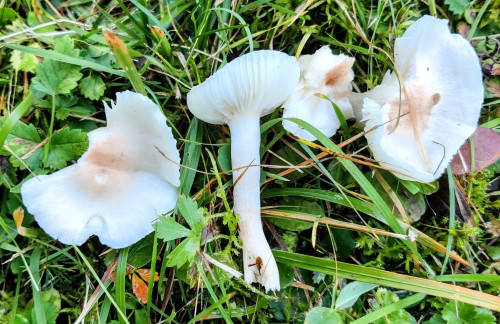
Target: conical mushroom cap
x,y
119,186
327,74
251,85
441,97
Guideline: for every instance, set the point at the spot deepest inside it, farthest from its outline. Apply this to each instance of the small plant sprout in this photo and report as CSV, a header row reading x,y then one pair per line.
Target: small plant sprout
x,y
247,88
126,179
326,74
416,124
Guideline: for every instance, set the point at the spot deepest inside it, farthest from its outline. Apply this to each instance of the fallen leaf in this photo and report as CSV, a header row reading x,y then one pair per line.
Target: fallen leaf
x,y
140,280
18,216
494,88
495,70
486,143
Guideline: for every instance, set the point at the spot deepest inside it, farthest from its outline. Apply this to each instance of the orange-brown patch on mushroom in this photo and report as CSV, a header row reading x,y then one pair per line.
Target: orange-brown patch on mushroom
x,y
112,153
415,108
338,72
413,112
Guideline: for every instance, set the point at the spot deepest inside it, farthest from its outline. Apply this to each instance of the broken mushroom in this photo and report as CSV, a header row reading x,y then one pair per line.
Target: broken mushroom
x,y
320,73
126,179
247,88
415,125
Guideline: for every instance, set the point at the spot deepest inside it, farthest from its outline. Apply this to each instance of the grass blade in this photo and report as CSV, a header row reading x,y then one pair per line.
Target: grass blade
x,y
123,57
37,297
53,55
388,279
121,270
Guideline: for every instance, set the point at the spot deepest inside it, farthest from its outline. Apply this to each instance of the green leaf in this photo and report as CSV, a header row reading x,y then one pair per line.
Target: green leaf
x,y
168,229
54,77
351,292
65,45
323,315
287,275
23,141
224,158
494,252
183,252
66,145
92,86
51,301
458,6
461,313
6,15
191,213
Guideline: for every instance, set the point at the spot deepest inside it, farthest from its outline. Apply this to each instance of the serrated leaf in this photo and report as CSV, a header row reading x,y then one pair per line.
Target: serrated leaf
x,y
462,313
168,229
458,6
69,104
54,77
92,86
351,292
191,213
183,252
66,145
23,141
66,45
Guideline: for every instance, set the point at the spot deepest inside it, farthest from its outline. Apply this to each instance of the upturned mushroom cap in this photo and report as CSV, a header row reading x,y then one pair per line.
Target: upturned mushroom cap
x,y
441,97
251,85
119,186
326,74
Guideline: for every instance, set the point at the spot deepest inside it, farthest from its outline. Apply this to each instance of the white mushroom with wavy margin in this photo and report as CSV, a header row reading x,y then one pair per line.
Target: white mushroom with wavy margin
x,y
126,179
415,125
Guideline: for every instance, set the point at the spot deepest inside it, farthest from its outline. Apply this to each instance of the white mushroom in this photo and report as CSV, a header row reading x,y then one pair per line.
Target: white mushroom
x,y
326,74
441,96
247,88
119,186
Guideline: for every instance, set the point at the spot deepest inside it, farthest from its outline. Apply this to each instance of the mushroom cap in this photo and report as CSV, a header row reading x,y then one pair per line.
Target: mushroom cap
x,y
252,85
441,97
327,74
119,186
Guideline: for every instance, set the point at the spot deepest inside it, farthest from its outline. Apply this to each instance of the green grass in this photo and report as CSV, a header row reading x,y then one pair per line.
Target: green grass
x,y
163,49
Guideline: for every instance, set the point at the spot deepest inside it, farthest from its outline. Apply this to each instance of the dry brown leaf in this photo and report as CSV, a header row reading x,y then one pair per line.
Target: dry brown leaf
x,y
494,88
486,151
18,216
140,280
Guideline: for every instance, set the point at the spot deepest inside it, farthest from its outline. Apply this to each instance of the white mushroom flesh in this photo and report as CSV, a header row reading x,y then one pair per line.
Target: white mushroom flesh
x,y
126,179
247,88
438,105
321,73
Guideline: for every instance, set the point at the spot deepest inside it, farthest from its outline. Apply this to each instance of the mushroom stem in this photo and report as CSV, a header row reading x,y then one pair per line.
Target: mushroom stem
x,y
258,260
